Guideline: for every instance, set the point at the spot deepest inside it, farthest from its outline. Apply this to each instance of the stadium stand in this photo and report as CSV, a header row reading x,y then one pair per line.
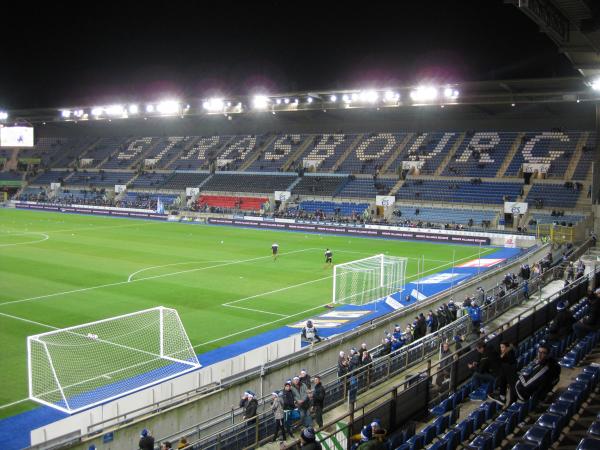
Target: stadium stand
x,y
100,178
548,218
444,215
165,150
149,180
232,202
277,152
344,209
585,160
51,176
325,151
182,180
431,148
371,152
459,191
480,154
553,195
57,152
367,187
320,185
243,182
130,153
198,155
145,200
102,149
550,147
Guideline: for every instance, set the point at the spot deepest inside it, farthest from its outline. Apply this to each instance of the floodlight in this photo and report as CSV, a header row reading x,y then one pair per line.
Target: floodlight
x,y
115,110
355,97
309,100
369,96
97,111
3,115
168,107
149,108
260,102
391,96
286,101
214,105
278,101
296,101
595,84
78,113
424,94
333,98
229,104
133,109
65,113
346,98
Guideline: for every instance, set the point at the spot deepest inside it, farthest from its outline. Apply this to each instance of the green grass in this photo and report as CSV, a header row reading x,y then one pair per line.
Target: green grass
x,y
78,269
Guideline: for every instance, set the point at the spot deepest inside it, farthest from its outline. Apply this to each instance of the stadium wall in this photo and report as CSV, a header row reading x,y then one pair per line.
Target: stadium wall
x,y
523,117
200,409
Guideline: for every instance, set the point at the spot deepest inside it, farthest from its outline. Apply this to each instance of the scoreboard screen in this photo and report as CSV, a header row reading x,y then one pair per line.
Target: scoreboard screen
x,y
16,137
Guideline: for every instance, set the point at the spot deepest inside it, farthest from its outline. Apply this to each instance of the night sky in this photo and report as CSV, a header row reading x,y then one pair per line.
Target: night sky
x,y
97,53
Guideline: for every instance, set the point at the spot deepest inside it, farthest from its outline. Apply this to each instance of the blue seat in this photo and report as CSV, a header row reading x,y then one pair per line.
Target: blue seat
x,y
553,422
509,419
453,439
417,442
490,409
465,428
442,408
442,444
594,429
480,393
539,436
573,397
521,409
441,424
588,378
497,431
478,417
588,443
453,417
482,442
579,386
429,433
565,409
525,446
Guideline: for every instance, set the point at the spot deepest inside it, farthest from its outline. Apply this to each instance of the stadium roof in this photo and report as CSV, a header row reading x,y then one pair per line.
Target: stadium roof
x,y
574,25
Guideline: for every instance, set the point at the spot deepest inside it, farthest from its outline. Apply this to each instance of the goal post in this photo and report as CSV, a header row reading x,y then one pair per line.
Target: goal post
x,y
79,367
365,280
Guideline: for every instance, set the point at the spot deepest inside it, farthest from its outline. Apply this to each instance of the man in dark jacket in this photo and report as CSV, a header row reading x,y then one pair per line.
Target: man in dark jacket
x,y
562,325
250,410
592,321
146,440
508,374
487,366
318,401
422,324
288,404
542,378
308,440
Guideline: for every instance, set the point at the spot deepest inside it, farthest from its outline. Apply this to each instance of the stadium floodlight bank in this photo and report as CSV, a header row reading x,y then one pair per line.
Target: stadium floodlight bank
x,y
365,280
75,368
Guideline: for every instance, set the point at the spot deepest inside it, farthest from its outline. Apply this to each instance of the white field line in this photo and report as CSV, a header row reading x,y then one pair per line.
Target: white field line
x,y
28,321
45,238
90,228
7,405
179,264
256,310
118,283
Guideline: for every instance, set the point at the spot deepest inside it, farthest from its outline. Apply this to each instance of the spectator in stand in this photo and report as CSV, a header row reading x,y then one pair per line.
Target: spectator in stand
x,y
544,375
354,360
251,409
279,415
306,409
166,446
362,349
300,393
487,366
308,440
386,346
432,322
508,375
445,363
592,321
342,364
452,310
474,312
146,440
422,324
562,325
318,401
305,378
183,443
368,441
309,333
288,405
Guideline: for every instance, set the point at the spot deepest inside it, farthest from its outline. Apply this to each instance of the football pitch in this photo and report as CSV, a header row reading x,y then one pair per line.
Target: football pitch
x,y
59,270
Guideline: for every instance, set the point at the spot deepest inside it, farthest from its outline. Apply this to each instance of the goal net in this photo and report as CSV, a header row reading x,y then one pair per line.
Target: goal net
x,y
364,280
75,368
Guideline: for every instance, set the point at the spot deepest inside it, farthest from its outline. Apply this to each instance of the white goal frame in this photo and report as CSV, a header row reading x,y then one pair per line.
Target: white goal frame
x,y
189,364
382,274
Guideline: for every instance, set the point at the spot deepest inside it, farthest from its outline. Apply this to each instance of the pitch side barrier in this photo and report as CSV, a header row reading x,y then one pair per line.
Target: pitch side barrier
x,y
411,398
262,379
